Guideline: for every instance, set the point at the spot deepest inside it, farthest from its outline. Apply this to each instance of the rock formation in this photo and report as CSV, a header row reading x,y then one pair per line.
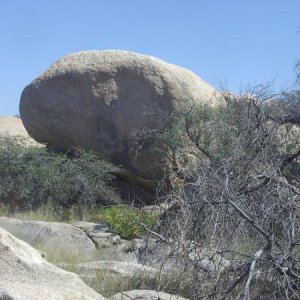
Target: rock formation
x,y
96,99
25,275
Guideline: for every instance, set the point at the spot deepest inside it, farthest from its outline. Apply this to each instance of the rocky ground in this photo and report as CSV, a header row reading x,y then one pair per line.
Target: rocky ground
x,y
100,259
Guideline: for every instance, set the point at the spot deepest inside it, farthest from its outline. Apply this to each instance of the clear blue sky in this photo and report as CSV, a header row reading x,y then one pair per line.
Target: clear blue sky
x,y
233,41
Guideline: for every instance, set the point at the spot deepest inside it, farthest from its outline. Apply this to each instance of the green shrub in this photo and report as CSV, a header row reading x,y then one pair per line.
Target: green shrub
x,y
33,176
126,221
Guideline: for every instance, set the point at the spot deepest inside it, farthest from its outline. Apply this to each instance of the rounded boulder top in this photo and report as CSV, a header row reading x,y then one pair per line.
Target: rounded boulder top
x,y
96,99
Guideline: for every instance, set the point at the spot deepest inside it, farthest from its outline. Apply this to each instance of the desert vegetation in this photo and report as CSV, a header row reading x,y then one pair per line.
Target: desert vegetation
x,y
32,177
234,221
230,229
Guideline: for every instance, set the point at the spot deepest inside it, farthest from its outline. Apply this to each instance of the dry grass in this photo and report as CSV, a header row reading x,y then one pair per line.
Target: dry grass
x,y
48,213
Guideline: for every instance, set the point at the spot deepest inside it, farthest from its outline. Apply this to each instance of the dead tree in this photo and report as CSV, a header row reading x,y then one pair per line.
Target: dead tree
x,y
237,232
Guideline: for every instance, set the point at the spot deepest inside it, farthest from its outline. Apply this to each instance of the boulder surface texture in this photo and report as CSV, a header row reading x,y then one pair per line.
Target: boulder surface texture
x,y
25,275
97,99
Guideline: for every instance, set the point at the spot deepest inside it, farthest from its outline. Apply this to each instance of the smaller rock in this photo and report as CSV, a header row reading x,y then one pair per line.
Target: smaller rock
x,y
89,270
145,295
89,227
25,275
153,252
56,240
105,239
156,210
101,235
12,127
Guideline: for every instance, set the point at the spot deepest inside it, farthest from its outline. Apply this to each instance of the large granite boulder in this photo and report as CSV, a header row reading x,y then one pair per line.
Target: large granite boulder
x,y
25,275
59,241
96,99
